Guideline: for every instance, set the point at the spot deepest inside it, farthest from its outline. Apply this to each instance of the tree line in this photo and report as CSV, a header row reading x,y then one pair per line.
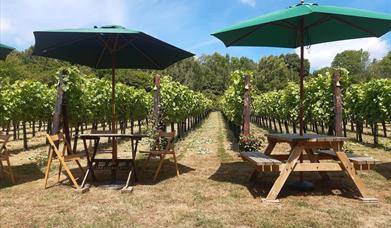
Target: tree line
x,y
209,74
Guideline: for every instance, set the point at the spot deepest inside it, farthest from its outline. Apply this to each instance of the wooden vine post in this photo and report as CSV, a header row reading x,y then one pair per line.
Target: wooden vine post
x,y
61,111
156,102
247,106
337,103
58,108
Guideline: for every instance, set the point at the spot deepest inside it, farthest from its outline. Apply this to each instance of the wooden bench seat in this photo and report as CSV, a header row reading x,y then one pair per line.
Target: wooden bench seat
x,y
360,162
261,161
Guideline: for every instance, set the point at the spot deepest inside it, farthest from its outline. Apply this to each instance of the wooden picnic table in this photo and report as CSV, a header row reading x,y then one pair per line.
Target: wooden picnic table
x,y
113,164
310,143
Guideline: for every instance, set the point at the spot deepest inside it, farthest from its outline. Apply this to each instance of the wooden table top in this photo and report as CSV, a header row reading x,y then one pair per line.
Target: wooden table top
x,y
113,135
305,138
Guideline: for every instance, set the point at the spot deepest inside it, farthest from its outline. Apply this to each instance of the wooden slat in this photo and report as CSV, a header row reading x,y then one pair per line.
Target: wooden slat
x,y
356,159
113,135
306,167
304,138
257,158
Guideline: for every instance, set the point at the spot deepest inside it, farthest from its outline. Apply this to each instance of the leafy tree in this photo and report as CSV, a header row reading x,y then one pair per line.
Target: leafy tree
x,y
356,62
216,69
292,61
382,68
189,73
243,63
272,74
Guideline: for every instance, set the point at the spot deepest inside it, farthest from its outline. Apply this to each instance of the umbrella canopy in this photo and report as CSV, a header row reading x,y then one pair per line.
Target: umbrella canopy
x,y
4,51
321,24
305,24
107,47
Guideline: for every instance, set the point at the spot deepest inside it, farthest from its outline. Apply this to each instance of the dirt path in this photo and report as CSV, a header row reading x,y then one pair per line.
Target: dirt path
x,y
205,148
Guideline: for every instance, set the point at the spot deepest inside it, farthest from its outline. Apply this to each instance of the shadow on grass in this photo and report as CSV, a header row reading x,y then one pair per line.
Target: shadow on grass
x,y
384,169
234,146
33,147
371,145
239,173
167,171
145,177
23,174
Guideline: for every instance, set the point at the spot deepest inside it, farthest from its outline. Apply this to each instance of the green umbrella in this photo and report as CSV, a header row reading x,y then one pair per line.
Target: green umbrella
x,y
4,51
305,24
108,47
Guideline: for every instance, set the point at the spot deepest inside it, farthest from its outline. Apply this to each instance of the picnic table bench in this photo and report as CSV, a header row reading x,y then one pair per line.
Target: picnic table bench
x,y
309,147
261,161
360,162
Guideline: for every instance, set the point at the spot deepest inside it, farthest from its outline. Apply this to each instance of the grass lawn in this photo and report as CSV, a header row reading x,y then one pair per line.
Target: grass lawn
x,y
212,191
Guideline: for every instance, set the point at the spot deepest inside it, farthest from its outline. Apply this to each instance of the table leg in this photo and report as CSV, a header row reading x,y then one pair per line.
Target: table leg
x,y
90,161
114,160
351,171
133,169
313,159
253,175
128,180
134,150
284,174
270,147
88,156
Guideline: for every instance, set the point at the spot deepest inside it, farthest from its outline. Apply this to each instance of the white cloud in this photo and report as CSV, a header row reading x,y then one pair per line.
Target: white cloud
x,y
251,3
321,55
160,18
4,25
21,17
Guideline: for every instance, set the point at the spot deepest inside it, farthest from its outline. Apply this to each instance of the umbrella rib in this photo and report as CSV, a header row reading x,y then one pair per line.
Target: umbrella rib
x,y
58,45
353,25
318,22
101,55
127,42
247,34
105,43
146,56
105,46
285,26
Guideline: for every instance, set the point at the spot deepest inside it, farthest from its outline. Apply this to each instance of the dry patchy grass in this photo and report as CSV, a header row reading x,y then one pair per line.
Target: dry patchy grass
x,y
212,191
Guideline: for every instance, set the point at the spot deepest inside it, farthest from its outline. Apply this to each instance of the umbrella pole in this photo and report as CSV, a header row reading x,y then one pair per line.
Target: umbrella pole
x,y
301,108
113,121
302,185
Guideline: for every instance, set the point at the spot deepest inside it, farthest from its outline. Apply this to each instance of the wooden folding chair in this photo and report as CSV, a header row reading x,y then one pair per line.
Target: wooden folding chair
x,y
4,156
55,141
157,150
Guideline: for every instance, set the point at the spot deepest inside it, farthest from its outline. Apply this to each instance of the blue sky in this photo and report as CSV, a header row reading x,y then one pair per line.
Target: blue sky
x,y
184,23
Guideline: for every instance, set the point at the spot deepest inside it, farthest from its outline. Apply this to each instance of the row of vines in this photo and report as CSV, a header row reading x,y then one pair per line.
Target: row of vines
x,y
231,103
367,104
88,102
